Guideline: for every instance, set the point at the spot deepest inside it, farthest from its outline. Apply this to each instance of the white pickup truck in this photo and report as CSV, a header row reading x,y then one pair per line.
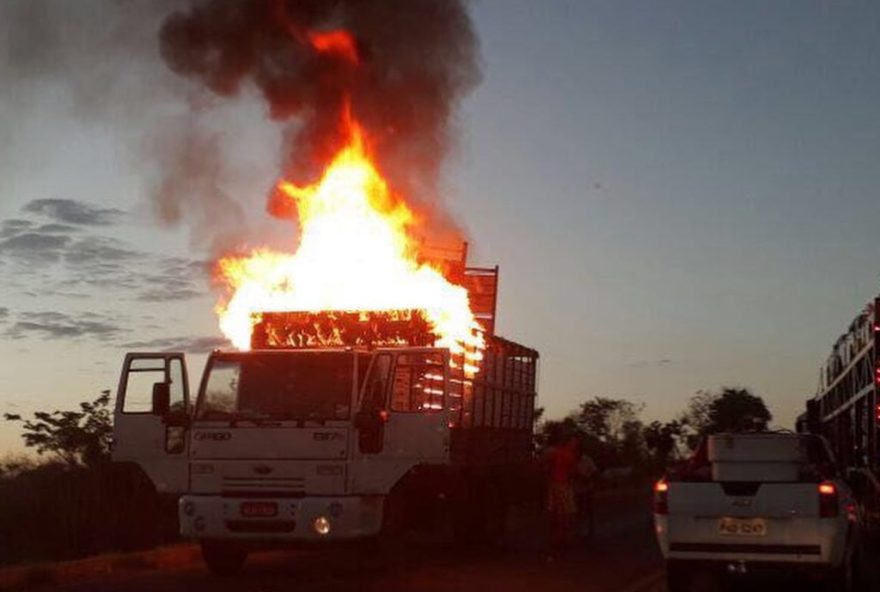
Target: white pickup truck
x,y
747,504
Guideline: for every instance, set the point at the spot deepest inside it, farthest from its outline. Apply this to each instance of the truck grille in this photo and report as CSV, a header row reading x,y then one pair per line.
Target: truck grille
x,y
260,526
263,486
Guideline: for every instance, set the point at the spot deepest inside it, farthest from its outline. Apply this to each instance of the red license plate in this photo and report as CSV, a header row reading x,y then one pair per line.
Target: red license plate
x,y
259,509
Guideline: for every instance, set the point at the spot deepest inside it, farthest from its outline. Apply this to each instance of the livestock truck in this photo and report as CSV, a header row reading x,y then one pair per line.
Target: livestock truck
x,y
846,411
308,439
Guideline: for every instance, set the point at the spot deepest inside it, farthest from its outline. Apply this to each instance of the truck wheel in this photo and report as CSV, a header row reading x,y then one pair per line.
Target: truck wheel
x,y
223,559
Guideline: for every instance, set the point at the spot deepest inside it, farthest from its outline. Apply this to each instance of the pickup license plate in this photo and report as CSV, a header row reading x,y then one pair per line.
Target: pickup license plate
x,y
742,527
259,509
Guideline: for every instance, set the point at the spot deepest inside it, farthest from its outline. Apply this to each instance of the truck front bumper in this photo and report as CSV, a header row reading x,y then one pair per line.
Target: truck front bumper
x,y
307,519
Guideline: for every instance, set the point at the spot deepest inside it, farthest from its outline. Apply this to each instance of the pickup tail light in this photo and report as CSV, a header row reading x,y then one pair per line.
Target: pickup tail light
x,y
828,500
661,497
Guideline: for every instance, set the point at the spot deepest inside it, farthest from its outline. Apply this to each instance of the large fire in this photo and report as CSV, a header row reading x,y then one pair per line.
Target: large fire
x,y
355,253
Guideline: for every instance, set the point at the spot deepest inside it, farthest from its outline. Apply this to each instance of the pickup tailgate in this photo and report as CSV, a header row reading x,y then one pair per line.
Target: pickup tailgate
x,y
747,520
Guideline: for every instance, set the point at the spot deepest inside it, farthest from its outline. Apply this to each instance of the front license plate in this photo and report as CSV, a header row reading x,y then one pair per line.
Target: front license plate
x,y
742,527
259,509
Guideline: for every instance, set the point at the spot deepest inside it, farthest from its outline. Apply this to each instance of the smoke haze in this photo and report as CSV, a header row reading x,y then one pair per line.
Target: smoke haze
x,y
97,62
414,61
159,73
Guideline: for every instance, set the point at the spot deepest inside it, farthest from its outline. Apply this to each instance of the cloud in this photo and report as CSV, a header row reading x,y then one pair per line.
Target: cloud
x,y
57,325
94,255
34,246
71,211
4,312
98,249
27,241
177,279
649,363
14,226
168,294
59,260
55,228
195,345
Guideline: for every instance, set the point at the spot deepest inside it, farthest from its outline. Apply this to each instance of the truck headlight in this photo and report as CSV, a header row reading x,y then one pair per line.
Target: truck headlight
x,y
321,525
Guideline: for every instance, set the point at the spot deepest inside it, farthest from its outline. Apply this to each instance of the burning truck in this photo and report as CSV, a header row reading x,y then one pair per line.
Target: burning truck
x,y
366,393
334,425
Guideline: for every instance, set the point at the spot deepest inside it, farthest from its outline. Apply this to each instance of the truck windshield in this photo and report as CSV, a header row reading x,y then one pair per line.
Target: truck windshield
x,y
297,385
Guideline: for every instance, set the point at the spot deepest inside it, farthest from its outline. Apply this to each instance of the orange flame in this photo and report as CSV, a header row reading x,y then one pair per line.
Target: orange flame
x,y
355,253
339,42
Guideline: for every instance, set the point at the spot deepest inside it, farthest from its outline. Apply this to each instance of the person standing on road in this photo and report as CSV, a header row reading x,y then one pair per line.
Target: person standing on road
x,y
561,504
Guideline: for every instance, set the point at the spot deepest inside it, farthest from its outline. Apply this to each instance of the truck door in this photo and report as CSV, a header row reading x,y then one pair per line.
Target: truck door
x,y
151,418
418,419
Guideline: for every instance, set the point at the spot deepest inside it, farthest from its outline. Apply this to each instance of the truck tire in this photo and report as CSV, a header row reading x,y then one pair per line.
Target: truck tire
x,y
223,558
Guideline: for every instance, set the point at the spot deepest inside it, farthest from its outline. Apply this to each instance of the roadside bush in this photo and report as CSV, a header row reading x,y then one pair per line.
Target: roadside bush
x,y
78,503
53,512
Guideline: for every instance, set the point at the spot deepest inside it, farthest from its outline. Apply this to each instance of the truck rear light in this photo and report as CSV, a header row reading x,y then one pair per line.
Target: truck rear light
x,y
828,500
661,497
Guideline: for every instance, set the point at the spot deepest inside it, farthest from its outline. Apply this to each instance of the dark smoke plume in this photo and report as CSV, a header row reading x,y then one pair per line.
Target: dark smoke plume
x,y
413,61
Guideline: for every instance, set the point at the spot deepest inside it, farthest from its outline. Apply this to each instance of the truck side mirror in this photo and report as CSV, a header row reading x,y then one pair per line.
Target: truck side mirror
x,y
161,398
370,424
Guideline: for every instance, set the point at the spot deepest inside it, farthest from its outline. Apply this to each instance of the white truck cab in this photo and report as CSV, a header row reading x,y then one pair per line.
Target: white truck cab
x,y
757,502
328,444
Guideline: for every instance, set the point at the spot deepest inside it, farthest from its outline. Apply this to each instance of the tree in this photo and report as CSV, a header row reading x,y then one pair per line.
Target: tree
x,y
730,410
610,431
606,419
556,431
694,420
75,437
632,448
662,440
738,410
538,415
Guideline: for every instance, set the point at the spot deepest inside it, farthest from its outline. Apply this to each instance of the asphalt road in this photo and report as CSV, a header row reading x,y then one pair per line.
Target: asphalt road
x,y
621,558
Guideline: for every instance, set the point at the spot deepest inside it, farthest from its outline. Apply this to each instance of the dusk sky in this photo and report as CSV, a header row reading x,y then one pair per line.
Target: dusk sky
x,y
680,195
